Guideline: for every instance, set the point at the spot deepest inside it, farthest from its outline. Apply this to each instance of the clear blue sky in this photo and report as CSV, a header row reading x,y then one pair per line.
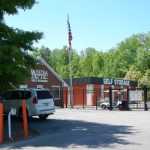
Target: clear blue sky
x,y
94,23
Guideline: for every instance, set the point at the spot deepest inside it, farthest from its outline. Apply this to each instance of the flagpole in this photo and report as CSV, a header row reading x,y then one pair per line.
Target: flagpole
x,y
70,76
70,62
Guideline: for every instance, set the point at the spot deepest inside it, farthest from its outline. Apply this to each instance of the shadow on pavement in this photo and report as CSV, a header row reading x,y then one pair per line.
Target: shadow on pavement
x,y
16,130
63,133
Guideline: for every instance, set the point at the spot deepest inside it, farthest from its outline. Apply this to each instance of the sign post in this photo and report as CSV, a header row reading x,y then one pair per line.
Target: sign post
x,y
145,99
110,97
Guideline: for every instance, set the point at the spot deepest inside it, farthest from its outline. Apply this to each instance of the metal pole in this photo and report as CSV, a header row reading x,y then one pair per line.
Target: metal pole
x,y
127,105
66,93
96,102
110,97
70,64
70,76
1,121
145,99
9,125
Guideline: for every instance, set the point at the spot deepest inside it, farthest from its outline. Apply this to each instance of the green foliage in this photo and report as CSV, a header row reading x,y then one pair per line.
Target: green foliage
x,y
145,80
91,62
143,59
133,74
11,6
15,44
129,60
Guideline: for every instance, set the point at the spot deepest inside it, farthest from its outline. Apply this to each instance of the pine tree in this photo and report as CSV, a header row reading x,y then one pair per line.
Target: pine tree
x,y
15,63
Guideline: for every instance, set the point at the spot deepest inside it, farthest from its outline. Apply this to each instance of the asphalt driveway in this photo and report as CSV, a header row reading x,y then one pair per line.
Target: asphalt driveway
x,y
89,129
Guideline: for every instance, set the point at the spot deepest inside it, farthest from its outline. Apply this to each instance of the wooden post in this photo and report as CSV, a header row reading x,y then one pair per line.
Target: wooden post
x,y
1,121
25,119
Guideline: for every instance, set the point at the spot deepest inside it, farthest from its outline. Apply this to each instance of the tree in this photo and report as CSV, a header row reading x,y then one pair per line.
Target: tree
x,y
133,74
133,51
107,68
124,56
76,69
91,63
130,59
145,80
143,59
15,63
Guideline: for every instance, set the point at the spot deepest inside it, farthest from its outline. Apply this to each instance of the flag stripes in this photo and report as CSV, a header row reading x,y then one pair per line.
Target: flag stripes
x,y
69,33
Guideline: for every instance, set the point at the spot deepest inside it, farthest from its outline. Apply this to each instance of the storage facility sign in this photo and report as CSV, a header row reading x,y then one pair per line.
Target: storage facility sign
x,y
39,75
108,81
116,82
122,82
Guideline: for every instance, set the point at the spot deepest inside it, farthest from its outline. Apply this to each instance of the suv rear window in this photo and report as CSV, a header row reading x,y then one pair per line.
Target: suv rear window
x,y
11,95
25,94
43,95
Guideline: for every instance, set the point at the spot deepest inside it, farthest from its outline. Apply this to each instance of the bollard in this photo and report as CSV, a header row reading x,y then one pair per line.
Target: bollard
x,y
1,121
25,119
9,126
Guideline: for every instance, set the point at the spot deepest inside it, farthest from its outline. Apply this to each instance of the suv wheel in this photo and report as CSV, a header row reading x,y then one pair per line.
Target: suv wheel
x,y
43,117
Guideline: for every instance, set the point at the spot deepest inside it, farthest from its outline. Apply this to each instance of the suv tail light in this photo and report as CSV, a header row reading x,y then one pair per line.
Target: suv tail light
x,y
34,100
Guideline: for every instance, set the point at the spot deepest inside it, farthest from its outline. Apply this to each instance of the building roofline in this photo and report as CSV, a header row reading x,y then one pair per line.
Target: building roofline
x,y
53,72
99,80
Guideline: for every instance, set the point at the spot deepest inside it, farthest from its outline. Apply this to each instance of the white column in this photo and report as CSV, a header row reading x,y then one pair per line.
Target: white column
x,y
89,94
102,91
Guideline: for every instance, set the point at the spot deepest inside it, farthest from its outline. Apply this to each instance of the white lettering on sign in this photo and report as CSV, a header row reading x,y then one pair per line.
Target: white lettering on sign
x,y
39,75
122,82
108,81
116,82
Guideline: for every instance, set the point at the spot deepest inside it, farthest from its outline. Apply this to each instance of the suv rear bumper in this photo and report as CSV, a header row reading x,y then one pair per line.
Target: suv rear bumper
x,y
45,111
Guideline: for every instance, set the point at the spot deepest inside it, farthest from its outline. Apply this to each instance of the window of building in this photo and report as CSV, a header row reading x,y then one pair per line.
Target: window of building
x,y
55,90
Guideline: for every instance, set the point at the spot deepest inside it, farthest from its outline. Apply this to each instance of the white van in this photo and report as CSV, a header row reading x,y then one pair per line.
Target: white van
x,y
39,102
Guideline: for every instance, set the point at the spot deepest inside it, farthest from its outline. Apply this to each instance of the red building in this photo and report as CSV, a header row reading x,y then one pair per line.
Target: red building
x,y
43,76
86,91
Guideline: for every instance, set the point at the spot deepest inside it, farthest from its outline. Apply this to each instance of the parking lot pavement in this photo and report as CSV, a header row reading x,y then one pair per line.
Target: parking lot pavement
x,y
89,129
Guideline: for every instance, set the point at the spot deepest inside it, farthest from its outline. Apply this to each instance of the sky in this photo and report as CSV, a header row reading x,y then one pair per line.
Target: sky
x,y
100,24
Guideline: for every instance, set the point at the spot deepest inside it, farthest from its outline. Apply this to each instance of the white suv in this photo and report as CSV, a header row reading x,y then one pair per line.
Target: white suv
x,y
39,102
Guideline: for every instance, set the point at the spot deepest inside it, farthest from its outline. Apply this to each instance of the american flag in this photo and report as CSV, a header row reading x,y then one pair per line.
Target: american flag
x,y
69,33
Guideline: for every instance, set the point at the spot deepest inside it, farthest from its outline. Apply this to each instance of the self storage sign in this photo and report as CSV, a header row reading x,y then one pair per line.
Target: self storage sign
x,y
116,82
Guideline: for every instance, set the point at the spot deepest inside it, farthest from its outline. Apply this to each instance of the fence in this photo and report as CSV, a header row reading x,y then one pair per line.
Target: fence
x,y
111,98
